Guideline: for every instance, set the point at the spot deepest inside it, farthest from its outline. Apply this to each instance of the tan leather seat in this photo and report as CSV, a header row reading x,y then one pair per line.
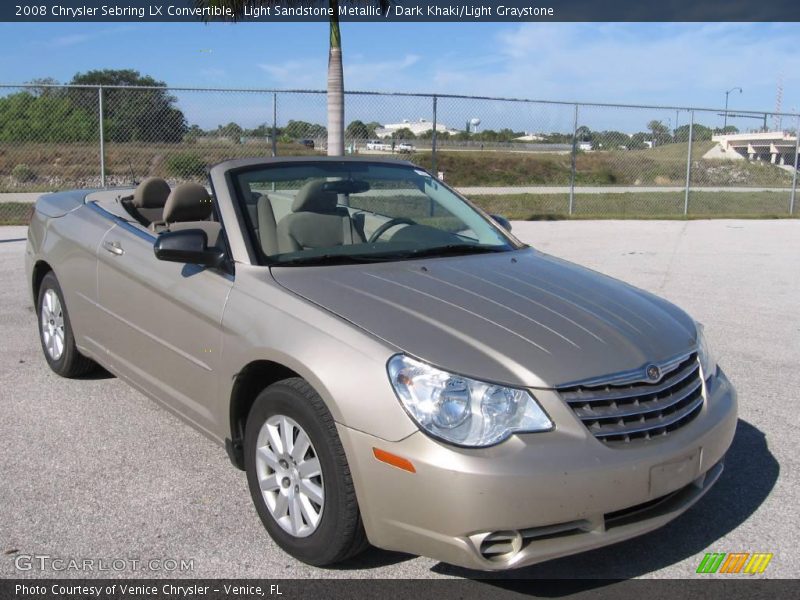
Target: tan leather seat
x,y
267,228
148,200
188,207
316,221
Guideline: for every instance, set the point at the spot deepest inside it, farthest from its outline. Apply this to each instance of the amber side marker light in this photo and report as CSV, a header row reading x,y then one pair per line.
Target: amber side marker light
x,y
394,460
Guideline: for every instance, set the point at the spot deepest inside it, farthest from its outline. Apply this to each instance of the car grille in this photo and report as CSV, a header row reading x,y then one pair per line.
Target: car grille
x,y
618,412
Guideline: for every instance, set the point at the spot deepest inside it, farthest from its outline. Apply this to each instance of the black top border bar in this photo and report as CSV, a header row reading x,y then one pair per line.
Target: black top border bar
x,y
406,11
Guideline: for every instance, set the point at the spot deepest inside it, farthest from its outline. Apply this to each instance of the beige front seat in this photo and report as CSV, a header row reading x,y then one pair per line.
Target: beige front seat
x,y
266,226
147,203
188,207
316,221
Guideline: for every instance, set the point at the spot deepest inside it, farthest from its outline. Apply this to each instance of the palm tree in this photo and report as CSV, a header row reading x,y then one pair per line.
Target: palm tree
x,y
335,70
335,86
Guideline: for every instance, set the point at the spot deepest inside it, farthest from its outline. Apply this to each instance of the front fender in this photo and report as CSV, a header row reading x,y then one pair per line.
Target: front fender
x,y
344,364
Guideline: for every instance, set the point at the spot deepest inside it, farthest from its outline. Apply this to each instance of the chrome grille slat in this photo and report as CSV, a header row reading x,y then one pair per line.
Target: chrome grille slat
x,y
619,411
628,392
642,408
548,530
656,424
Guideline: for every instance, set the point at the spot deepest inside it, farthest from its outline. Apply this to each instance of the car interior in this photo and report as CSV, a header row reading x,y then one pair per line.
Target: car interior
x,y
146,205
315,216
323,214
189,206
315,220
312,219
158,208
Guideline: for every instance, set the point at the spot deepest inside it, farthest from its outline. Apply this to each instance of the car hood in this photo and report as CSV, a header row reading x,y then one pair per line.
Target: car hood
x,y
519,318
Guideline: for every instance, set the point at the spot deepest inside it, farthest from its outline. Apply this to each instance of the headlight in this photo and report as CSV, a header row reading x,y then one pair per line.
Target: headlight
x,y
707,362
461,410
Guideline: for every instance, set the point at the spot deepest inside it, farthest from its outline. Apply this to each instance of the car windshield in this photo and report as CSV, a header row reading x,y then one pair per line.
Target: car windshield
x,y
342,212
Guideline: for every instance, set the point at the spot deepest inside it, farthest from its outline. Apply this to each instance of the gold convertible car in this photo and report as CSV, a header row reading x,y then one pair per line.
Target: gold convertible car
x,y
388,364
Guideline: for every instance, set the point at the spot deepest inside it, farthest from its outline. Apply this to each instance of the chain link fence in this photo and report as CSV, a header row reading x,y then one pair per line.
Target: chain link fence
x,y
525,159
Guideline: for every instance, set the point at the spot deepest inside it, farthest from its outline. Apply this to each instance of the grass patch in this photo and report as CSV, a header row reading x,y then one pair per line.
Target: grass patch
x,y
70,166
656,205
533,207
15,213
665,165
50,167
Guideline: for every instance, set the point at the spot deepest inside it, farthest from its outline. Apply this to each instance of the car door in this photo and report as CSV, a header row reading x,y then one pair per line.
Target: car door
x,y
164,332
75,239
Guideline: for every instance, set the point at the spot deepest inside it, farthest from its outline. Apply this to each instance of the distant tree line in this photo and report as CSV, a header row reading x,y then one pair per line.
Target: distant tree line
x,y
294,130
657,134
62,114
355,130
148,113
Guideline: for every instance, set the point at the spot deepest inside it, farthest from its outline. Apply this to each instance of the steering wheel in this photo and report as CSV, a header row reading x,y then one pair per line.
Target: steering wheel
x,y
388,225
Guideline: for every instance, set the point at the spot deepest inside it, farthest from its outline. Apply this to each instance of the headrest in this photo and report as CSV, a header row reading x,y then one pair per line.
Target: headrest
x,y
151,193
187,202
312,198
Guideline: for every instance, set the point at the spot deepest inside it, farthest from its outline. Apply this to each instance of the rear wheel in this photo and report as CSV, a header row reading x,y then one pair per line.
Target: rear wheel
x,y
55,332
298,475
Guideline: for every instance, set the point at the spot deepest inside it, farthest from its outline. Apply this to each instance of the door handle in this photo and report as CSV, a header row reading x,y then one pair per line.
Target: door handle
x,y
114,248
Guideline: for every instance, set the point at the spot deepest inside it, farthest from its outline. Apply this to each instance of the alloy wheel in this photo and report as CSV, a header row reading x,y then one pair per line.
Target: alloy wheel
x,y
290,476
52,316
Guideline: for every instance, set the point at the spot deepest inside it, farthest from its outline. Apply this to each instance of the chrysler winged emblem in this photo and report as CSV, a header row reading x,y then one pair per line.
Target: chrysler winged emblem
x,y
653,372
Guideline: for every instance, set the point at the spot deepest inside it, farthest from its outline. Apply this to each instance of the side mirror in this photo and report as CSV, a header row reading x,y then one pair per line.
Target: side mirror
x,y
502,221
188,246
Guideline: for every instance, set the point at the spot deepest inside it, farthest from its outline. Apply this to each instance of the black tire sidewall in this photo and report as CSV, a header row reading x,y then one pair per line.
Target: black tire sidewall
x,y
63,365
327,542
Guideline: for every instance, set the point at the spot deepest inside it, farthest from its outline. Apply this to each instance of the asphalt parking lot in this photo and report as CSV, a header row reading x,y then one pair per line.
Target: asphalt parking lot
x,y
92,469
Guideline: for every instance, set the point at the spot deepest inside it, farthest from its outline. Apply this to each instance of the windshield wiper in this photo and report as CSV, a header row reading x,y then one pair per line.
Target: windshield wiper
x,y
324,259
451,250
349,259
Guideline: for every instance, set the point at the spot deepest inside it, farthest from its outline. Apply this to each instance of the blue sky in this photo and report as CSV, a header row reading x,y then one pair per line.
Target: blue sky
x,y
675,64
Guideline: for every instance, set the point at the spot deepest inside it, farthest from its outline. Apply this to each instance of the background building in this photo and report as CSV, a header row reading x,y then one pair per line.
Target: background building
x,y
777,147
416,127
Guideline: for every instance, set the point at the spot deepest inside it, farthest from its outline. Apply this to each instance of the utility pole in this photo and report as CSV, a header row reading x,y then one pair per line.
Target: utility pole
x,y
725,121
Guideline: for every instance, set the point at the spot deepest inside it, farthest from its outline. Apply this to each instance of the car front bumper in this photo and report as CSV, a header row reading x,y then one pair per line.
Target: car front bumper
x,y
536,496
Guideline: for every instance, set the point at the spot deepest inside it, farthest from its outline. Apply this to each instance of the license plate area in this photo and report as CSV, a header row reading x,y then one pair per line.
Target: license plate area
x,y
675,474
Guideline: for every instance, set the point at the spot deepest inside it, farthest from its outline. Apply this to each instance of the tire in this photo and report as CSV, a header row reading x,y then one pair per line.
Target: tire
x,y
55,332
338,534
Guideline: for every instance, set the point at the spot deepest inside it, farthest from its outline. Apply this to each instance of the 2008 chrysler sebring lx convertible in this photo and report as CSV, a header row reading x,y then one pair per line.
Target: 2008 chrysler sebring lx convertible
x,y
387,363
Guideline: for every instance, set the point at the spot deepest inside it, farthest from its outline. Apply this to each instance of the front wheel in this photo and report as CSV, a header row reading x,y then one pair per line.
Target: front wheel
x,y
298,475
55,332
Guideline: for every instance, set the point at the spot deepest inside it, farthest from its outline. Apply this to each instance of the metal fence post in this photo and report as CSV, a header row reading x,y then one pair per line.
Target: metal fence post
x,y
688,165
793,196
102,136
433,141
274,124
573,168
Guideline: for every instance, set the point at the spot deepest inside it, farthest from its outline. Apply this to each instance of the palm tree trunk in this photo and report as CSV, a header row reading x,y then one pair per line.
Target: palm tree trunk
x,y
335,87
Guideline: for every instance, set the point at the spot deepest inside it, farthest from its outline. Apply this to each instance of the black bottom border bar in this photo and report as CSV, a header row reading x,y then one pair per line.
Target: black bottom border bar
x,y
705,586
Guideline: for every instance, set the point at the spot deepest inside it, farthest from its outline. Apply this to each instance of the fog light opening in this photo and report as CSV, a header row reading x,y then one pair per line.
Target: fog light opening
x,y
501,546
